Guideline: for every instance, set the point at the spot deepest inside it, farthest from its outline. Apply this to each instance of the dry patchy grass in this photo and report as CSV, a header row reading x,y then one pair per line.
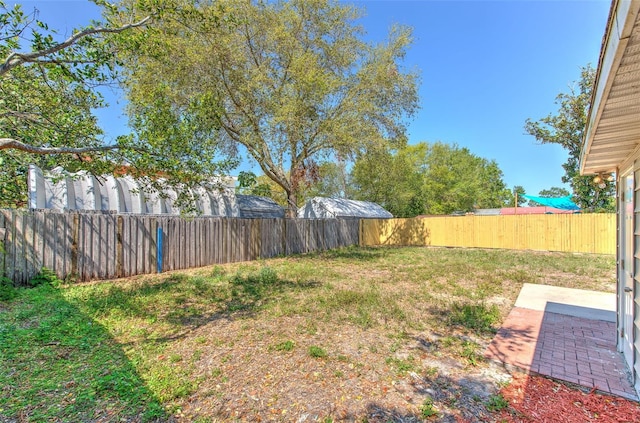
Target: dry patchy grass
x,y
378,334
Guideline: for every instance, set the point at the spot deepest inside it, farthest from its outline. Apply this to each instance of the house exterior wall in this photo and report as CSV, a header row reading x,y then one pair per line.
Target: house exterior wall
x,y
630,167
636,275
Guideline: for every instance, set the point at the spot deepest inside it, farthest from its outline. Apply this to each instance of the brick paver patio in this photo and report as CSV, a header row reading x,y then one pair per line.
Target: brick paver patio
x,y
573,349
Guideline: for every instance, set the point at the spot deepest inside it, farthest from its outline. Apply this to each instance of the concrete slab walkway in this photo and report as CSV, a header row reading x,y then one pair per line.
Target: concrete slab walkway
x,y
567,334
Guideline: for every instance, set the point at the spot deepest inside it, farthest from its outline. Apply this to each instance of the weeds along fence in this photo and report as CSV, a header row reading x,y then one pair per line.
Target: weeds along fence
x,y
579,233
95,245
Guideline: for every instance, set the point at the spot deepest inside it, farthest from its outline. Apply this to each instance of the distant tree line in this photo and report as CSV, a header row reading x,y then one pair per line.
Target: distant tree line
x,y
417,179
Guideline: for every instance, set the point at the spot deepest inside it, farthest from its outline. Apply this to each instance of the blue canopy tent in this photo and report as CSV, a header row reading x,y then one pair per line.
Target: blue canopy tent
x,y
562,203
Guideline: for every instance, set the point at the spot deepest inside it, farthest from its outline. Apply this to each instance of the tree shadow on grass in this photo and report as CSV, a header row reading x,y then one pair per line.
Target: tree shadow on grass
x,y
354,253
453,393
440,398
186,303
58,364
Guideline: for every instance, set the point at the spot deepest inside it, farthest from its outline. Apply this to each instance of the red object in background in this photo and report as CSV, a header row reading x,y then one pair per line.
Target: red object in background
x,y
534,210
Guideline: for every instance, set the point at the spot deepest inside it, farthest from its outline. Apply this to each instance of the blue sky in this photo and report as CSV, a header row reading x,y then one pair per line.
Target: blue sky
x,y
486,66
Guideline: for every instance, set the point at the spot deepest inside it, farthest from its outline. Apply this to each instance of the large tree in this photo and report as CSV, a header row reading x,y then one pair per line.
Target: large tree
x,y
328,179
566,128
517,194
49,88
392,179
429,178
457,180
290,83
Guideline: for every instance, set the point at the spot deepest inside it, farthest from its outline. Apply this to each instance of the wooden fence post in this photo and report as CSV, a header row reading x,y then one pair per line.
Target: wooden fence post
x,y
75,230
119,248
3,232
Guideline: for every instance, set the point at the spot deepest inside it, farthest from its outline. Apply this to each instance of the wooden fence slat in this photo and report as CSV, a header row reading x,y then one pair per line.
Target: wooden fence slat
x,y
141,240
84,246
119,247
109,255
61,225
168,258
181,243
96,225
28,261
38,240
208,242
228,248
3,234
175,244
152,253
10,246
127,248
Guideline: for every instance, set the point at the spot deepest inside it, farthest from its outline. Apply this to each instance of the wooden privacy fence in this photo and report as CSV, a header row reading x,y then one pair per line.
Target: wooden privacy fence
x,y
96,245
584,233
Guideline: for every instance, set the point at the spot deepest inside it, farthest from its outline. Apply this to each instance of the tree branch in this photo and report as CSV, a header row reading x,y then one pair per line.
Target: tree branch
x,y
16,59
10,143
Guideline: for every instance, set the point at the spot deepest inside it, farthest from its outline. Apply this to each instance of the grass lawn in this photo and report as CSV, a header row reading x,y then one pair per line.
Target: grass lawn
x,y
367,335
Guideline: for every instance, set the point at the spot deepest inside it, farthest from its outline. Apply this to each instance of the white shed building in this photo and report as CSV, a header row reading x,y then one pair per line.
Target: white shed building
x,y
322,208
61,190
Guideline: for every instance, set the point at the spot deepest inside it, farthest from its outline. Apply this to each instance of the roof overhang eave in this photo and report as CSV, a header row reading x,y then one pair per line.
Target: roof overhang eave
x,y
622,18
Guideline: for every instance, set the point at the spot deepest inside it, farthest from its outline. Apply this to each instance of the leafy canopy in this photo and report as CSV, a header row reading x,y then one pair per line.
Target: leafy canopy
x,y
288,83
49,88
566,128
46,100
393,179
429,178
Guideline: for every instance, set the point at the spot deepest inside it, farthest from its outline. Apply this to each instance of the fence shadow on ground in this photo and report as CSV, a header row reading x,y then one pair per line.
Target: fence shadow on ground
x,y
59,364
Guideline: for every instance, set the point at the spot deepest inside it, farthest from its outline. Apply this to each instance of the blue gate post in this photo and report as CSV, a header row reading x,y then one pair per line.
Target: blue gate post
x,y
159,249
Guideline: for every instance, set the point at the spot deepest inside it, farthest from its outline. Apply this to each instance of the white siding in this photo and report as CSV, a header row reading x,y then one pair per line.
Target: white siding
x,y
636,273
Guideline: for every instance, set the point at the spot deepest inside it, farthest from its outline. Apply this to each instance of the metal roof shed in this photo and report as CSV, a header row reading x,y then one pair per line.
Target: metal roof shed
x,y
256,207
323,208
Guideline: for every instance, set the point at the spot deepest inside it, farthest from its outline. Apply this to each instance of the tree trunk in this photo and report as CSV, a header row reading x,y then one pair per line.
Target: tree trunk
x,y
292,204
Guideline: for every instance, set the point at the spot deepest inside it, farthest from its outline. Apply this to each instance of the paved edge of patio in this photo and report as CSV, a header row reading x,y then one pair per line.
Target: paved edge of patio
x,y
566,347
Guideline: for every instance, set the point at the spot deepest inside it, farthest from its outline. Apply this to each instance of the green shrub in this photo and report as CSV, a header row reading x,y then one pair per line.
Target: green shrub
x,y
285,346
477,317
45,277
496,403
428,410
7,290
317,352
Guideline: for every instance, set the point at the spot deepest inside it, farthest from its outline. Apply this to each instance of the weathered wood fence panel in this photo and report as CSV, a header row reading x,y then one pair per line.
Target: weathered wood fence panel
x,y
101,245
581,233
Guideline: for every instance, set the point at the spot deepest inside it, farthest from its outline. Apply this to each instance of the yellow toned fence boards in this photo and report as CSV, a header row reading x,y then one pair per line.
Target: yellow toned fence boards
x,y
580,233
